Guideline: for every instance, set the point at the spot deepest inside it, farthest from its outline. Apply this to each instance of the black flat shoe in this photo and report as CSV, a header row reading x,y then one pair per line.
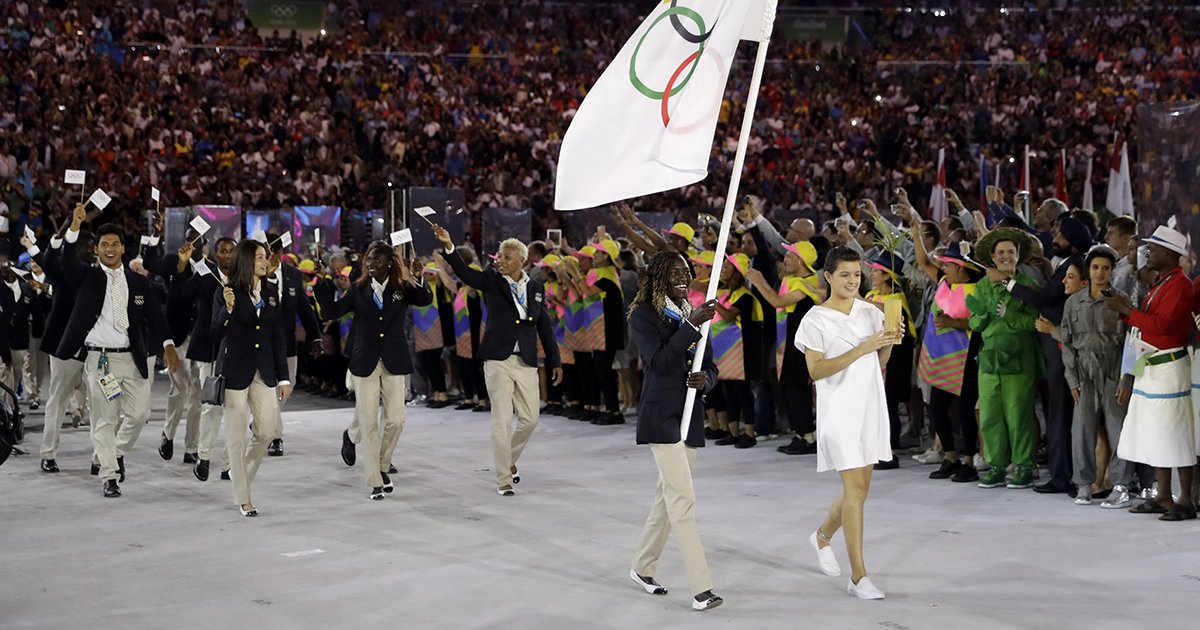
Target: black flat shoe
x,y
482,409
49,466
166,448
464,406
966,474
728,439
190,458
111,489
891,464
610,419
121,468
387,483
946,470
798,446
200,469
1052,487
746,441
225,475
392,470
276,448
348,455
377,493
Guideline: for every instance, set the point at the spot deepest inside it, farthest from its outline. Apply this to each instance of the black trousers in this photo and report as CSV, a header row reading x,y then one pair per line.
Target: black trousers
x,y
898,385
431,366
470,372
797,396
606,379
940,402
1058,421
568,392
739,400
589,394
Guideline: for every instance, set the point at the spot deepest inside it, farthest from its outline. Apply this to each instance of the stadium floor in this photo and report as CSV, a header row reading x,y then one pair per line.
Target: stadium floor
x,y
445,551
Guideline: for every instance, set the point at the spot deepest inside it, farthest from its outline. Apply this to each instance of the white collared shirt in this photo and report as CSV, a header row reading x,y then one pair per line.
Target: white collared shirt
x,y
279,281
105,333
519,293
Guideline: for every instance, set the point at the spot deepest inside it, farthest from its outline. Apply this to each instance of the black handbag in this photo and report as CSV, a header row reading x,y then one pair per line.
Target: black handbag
x,y
212,391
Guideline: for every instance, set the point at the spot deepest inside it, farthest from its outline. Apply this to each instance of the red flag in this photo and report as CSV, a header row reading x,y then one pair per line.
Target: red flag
x,y
1060,180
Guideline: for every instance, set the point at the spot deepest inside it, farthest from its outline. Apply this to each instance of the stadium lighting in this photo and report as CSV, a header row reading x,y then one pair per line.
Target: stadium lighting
x,y
62,108
818,67
853,122
878,98
1003,10
322,32
1011,159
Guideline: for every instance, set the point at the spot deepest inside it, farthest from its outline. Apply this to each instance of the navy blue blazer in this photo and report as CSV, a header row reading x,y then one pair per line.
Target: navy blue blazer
x,y
667,348
375,333
251,342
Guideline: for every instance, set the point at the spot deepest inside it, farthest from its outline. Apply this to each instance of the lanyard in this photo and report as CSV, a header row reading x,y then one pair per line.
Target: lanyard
x,y
1156,289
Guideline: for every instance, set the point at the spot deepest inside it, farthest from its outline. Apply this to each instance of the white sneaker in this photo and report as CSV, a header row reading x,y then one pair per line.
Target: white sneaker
x,y
1083,495
1150,493
930,456
864,589
1118,499
825,558
980,464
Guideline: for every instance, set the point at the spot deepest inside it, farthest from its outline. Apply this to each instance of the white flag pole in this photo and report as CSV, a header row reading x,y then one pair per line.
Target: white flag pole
x,y
726,223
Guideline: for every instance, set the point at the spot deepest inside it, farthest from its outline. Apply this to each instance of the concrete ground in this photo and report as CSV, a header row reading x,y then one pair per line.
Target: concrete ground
x,y
445,551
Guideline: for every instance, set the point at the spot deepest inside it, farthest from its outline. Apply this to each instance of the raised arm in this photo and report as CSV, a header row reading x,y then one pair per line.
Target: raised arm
x,y
472,277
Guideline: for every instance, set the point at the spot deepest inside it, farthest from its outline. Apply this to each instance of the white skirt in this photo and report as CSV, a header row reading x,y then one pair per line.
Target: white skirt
x,y
1159,428
1196,400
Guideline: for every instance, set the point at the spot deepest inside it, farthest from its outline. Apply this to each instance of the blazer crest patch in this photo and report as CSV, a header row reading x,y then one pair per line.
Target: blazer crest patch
x,y
396,297
271,301
139,300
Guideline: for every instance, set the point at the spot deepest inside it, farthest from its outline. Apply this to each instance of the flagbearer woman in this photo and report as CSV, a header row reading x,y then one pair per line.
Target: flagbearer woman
x,y
379,355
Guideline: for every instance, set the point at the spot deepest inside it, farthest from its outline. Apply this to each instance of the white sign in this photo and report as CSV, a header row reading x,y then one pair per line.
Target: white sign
x,y
259,236
201,268
100,199
285,239
424,211
200,225
146,240
317,235
29,234
401,237
75,177
154,194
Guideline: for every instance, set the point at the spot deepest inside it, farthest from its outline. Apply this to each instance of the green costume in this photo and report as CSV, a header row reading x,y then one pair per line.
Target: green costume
x,y
1010,363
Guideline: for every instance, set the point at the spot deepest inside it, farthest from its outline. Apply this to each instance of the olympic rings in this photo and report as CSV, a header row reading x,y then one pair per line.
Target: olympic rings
x,y
674,85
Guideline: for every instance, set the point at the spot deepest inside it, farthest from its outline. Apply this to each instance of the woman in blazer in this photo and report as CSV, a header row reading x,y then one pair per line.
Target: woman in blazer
x,y
253,359
665,328
379,354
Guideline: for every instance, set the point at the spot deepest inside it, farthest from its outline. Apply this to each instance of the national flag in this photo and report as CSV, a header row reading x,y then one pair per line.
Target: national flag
x,y
648,123
1088,202
1060,179
938,206
1113,200
1121,203
983,183
1026,184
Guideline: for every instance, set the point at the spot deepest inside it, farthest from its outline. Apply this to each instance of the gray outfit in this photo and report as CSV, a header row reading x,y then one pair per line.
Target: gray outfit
x,y
1092,340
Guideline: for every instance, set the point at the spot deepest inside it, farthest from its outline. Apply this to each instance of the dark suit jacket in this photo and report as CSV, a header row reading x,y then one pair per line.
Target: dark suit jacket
x,y
295,303
61,303
375,333
250,342
199,290
16,315
666,349
89,300
505,328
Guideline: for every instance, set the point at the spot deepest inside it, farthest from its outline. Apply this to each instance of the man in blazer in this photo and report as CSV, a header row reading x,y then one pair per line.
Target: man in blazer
x,y
199,288
107,328
517,319
66,371
184,394
16,306
293,304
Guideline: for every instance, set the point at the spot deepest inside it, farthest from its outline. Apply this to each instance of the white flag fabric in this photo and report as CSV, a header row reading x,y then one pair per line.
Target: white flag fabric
x,y
317,235
154,194
74,177
200,225
1125,207
259,236
1118,178
1088,202
938,206
285,239
201,268
424,211
100,199
400,237
648,123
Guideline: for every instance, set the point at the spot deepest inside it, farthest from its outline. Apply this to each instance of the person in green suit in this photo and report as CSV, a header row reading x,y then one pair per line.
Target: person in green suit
x,y
1010,361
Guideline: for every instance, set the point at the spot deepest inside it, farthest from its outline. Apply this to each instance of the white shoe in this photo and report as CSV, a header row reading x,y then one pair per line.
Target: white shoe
x,y
1083,496
1118,499
864,589
930,456
711,602
980,464
825,558
652,587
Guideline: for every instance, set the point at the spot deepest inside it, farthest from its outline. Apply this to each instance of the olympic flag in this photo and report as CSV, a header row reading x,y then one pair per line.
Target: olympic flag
x,y
648,123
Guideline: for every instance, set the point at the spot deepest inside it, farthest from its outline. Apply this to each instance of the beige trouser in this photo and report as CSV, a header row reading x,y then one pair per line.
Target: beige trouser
x,y
185,391
291,363
376,453
36,365
65,377
259,405
674,509
13,373
512,387
112,435
210,424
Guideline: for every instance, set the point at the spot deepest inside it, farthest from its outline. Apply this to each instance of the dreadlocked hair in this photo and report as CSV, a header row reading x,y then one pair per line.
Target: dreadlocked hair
x,y
654,282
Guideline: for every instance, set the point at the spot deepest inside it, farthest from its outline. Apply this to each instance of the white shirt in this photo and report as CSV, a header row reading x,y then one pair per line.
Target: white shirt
x,y
279,281
518,289
16,289
378,289
105,333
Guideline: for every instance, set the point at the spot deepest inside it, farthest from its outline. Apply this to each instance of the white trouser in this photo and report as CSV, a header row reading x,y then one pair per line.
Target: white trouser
x,y
65,377
210,424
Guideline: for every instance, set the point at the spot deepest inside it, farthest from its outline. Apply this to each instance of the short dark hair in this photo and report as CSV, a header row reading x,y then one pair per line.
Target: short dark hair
x,y
1100,252
110,228
839,255
274,245
223,239
934,230
1124,225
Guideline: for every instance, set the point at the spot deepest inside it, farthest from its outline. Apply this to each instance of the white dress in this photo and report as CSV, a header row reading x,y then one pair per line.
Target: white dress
x,y
852,420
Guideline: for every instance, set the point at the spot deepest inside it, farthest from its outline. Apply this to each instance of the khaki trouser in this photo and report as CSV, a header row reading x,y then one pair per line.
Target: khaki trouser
x,y
674,509
512,386
210,424
36,365
185,391
13,373
376,454
65,376
112,436
292,365
258,406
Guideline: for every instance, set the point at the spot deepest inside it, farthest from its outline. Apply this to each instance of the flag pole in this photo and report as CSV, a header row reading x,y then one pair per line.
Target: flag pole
x,y
726,223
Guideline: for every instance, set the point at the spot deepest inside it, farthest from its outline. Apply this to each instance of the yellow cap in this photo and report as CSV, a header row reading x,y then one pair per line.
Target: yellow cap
x,y
345,272
705,258
549,260
805,250
608,246
741,262
683,230
307,266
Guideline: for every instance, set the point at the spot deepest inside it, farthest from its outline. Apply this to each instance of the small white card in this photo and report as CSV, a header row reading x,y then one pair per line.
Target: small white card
x,y
200,225
317,235
154,194
75,177
259,236
146,240
29,234
201,268
401,237
34,251
20,272
100,199
285,239
424,211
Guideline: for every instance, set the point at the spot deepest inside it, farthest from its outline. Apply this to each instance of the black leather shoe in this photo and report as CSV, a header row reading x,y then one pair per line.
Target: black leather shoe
x,y
464,406
49,465
946,470
348,455
121,468
966,474
276,448
728,439
553,409
798,446
190,458
200,469
610,419
1053,487
95,470
387,483
166,448
225,475
111,489
392,470
482,409
891,464
746,441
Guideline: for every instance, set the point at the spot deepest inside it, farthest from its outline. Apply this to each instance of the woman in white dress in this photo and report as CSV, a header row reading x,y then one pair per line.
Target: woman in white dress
x,y
845,345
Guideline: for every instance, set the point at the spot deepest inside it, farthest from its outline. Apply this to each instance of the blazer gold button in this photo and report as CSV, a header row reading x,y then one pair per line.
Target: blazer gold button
x,y
380,334
381,318
258,328
255,345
